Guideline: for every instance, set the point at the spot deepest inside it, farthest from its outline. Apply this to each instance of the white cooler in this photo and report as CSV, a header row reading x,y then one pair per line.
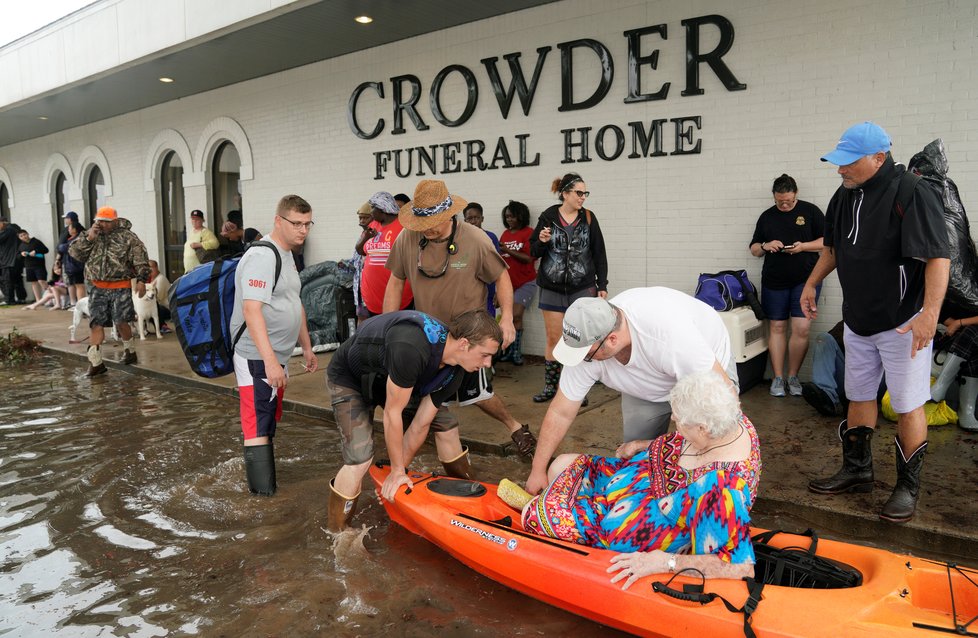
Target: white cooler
x,y
748,342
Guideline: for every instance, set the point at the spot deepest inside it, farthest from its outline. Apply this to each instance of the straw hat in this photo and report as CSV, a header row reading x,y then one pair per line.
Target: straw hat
x,y
432,205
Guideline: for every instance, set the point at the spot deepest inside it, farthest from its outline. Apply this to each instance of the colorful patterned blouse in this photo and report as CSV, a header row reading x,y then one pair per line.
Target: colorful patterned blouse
x,y
649,502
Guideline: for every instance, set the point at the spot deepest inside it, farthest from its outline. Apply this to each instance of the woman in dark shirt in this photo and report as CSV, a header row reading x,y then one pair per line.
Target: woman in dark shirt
x,y
788,236
573,264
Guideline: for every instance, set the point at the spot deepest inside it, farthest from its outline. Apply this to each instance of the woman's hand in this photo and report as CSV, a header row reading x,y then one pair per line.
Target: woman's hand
x,y
630,449
603,294
631,567
544,235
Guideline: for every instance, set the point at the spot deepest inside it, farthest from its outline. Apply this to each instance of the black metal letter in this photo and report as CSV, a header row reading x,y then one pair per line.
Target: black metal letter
x,y
471,98
694,58
351,111
522,137
567,74
641,139
635,61
599,142
381,159
683,133
449,157
569,145
517,83
400,105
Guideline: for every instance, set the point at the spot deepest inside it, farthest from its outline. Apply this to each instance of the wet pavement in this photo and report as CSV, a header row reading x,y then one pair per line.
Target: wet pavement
x,y
797,443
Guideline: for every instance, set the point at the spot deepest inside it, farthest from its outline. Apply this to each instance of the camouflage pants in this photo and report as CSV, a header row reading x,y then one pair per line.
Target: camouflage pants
x,y
354,419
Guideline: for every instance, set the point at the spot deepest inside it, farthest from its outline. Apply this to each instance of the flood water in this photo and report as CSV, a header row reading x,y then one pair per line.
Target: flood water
x,y
124,512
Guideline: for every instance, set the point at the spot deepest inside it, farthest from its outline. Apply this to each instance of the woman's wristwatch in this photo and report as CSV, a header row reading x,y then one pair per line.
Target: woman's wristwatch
x,y
672,564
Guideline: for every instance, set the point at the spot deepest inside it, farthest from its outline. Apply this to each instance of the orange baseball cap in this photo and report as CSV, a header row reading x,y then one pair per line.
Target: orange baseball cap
x,y
106,213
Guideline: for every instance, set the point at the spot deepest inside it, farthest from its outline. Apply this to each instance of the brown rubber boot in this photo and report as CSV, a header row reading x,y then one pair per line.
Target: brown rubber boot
x,y
460,467
341,509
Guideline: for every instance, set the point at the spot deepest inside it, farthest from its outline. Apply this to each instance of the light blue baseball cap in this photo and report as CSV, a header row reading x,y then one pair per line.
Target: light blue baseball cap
x,y
859,141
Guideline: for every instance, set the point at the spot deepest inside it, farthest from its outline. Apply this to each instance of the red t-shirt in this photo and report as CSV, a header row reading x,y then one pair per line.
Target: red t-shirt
x,y
518,240
373,279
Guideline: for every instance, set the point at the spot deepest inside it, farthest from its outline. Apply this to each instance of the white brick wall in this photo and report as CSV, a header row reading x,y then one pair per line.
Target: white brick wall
x,y
812,69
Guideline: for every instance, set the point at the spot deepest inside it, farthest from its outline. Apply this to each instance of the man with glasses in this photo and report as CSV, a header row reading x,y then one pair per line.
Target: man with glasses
x,y
889,244
448,264
266,301
640,343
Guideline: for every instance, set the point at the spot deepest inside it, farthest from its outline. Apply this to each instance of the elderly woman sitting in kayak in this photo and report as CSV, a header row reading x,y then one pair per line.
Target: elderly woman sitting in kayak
x,y
680,501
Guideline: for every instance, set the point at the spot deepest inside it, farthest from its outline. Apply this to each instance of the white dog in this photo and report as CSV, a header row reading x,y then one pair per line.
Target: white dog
x,y
81,313
146,309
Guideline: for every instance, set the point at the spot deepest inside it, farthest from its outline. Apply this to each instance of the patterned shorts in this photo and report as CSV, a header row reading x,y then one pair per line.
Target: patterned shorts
x,y
109,306
550,513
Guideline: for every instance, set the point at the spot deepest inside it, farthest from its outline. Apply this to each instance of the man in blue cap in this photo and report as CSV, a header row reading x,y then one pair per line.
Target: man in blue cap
x,y
890,246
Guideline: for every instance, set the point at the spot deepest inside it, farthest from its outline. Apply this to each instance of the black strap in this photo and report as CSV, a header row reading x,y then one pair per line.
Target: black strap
x,y
694,593
217,271
904,197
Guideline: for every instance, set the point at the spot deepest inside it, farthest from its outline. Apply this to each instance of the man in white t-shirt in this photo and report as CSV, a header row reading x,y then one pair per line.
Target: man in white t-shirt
x,y
639,343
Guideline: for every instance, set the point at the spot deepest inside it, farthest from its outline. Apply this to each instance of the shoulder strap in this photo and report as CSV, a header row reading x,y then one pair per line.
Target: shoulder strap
x,y
904,196
278,258
587,216
278,273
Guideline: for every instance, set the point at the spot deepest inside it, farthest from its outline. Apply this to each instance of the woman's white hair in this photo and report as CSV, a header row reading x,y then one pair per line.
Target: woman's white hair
x,y
706,399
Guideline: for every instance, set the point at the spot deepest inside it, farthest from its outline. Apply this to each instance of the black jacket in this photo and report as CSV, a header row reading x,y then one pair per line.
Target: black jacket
x,y
575,257
9,246
880,255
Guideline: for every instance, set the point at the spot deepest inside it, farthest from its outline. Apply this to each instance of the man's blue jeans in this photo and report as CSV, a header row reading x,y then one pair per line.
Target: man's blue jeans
x,y
828,366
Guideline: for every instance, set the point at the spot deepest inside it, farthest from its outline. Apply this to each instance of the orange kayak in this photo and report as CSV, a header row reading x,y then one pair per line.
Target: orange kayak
x,y
900,595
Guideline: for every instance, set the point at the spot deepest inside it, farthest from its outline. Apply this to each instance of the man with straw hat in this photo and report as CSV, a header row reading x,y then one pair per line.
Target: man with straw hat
x,y
448,264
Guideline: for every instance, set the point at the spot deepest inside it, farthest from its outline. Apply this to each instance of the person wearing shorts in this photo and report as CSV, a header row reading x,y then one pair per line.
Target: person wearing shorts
x,y
113,256
573,264
448,265
32,251
788,236
411,364
270,309
891,255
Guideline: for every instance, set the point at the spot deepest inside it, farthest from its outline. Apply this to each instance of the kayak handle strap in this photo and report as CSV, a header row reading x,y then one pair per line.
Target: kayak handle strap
x,y
694,593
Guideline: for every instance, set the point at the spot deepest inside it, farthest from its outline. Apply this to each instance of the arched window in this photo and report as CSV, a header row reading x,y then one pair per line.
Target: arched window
x,y
225,183
4,201
173,214
60,196
94,193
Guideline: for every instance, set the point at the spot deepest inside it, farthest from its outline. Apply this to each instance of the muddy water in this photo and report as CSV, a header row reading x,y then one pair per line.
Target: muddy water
x,y
124,512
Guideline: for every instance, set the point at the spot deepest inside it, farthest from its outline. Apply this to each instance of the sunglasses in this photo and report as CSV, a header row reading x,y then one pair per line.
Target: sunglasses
x,y
590,355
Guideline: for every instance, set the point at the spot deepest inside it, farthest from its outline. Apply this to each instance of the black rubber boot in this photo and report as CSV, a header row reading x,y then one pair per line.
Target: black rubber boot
x,y
856,474
551,380
903,501
260,468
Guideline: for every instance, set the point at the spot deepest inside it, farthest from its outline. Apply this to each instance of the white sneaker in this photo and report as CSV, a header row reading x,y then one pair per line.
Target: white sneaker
x,y
794,386
777,387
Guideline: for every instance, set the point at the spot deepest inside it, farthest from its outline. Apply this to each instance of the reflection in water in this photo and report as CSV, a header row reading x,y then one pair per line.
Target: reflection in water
x,y
124,512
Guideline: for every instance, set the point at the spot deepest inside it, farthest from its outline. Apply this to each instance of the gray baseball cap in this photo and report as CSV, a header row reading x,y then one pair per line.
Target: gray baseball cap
x,y
586,322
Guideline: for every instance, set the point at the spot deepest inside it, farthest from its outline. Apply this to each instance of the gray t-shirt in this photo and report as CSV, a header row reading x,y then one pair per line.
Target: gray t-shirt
x,y
282,308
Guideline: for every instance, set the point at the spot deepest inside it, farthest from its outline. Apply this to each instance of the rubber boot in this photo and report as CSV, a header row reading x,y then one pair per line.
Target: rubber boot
x,y
507,355
516,349
460,467
95,365
551,380
856,474
903,501
260,468
966,404
341,509
947,376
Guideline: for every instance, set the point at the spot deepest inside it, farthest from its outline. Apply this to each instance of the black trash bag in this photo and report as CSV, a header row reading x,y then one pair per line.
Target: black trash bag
x,y
961,299
320,283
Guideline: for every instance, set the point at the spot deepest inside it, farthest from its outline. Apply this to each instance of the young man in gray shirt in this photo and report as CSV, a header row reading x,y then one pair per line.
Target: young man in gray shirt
x,y
275,321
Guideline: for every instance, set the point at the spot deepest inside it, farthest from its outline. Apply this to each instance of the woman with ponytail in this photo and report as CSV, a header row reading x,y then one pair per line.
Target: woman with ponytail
x,y
573,264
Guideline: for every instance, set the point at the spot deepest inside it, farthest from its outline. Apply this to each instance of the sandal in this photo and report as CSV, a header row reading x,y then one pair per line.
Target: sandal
x,y
525,442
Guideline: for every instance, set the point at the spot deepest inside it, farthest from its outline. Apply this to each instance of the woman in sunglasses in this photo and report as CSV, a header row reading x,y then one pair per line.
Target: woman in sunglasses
x,y
573,264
